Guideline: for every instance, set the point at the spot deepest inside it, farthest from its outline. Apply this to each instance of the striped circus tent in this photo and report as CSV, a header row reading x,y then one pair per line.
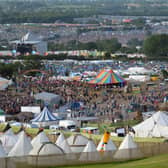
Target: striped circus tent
x,y
45,117
108,77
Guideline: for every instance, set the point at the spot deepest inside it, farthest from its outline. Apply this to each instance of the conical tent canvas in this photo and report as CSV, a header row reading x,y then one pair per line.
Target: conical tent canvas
x,y
2,151
8,140
128,143
40,138
46,148
128,149
153,126
108,77
22,147
90,153
60,139
44,116
77,142
65,147
110,146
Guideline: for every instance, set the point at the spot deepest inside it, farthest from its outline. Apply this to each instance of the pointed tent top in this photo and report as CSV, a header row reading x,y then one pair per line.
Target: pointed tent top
x,y
128,143
40,138
60,139
107,77
65,147
22,147
77,139
110,146
46,148
90,147
44,116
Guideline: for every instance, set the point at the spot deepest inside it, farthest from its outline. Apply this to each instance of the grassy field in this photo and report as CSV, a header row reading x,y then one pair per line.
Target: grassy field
x,y
153,162
33,132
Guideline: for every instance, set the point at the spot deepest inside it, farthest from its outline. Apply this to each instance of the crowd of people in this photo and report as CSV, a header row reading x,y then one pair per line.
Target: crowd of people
x,y
101,101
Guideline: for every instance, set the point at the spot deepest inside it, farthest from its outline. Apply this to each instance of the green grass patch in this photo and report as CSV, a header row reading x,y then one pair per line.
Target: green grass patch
x,y
152,162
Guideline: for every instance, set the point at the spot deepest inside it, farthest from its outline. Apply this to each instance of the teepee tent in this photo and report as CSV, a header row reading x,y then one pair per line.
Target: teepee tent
x,y
39,139
22,147
60,139
77,142
49,154
2,151
8,140
90,153
45,118
155,126
46,148
65,147
128,149
106,144
108,77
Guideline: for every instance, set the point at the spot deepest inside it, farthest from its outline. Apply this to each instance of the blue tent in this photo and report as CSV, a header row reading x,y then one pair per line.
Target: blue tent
x,y
44,116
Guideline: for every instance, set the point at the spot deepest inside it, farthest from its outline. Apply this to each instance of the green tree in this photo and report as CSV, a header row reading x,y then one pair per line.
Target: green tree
x,y
156,46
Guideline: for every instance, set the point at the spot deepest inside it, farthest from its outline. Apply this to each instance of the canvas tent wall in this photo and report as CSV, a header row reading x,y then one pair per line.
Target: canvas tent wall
x,y
77,142
155,126
8,140
22,147
90,152
39,139
128,149
45,118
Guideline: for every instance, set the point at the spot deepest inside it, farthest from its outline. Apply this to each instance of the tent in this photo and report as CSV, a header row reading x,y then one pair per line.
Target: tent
x,y
90,153
128,149
138,70
108,77
110,146
39,139
60,139
77,142
65,147
155,126
46,148
8,140
22,147
46,155
2,151
48,98
44,118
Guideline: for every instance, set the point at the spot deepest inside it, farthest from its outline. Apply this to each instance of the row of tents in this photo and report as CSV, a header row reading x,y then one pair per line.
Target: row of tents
x,y
21,145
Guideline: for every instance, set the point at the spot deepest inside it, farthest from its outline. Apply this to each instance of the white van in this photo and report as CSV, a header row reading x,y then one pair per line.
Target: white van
x,y
67,124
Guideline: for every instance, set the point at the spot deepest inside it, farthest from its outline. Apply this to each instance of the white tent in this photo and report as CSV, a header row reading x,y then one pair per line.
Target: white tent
x,y
39,139
128,149
77,142
46,148
90,153
110,146
60,139
2,151
22,147
65,146
8,140
139,78
155,126
138,70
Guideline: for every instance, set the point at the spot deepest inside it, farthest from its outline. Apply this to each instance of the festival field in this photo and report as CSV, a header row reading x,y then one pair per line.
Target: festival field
x,y
153,162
